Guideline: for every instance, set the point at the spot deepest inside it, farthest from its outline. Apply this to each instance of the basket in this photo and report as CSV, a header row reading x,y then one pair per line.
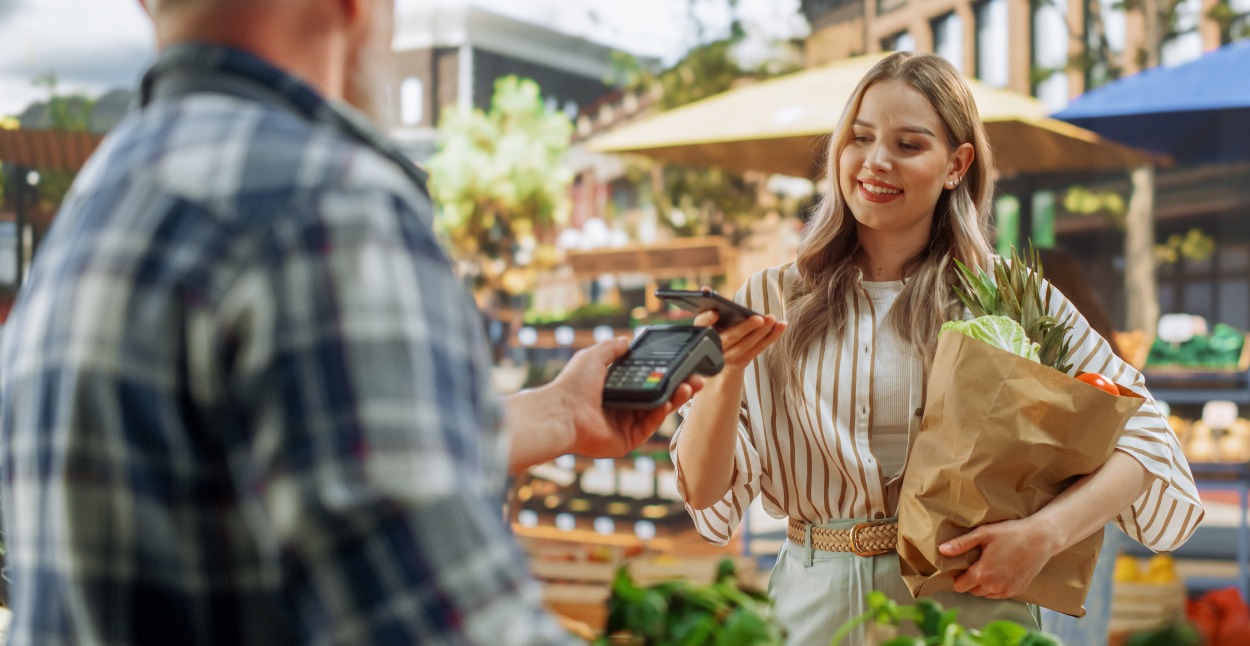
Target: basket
x,y
1137,607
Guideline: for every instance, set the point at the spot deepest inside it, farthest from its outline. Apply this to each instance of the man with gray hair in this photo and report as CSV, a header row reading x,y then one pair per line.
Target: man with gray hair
x,y
244,399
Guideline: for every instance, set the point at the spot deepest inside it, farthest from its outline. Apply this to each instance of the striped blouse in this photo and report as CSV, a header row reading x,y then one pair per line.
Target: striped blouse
x,y
816,463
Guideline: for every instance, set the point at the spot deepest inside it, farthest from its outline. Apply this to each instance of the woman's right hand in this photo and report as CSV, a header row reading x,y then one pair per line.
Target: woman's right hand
x,y
743,342
706,444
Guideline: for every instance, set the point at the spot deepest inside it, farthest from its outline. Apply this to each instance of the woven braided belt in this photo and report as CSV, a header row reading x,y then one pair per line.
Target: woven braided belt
x,y
864,539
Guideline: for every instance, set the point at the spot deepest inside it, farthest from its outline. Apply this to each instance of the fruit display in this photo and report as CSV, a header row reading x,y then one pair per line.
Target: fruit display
x,y
1223,349
1160,569
1148,594
1202,443
1221,617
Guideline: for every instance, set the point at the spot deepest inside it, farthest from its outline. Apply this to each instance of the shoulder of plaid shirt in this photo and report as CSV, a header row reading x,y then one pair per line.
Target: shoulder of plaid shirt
x,y
212,382
785,457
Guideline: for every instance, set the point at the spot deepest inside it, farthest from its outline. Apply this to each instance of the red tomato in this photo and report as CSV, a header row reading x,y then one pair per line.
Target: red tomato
x,y
1098,381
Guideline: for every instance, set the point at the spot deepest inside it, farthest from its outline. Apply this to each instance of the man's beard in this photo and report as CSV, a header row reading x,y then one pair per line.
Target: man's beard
x,y
368,73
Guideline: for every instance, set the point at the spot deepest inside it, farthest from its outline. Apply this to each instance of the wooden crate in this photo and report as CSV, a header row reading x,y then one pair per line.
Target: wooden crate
x,y
1144,606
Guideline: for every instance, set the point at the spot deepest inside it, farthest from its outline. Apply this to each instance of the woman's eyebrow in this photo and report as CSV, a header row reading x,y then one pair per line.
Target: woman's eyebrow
x,y
919,130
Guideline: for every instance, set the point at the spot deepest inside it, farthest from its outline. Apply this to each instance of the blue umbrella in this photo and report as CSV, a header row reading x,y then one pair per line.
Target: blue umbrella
x,y
1198,112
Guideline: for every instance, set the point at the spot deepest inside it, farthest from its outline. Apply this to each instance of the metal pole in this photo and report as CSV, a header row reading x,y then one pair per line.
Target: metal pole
x,y
19,195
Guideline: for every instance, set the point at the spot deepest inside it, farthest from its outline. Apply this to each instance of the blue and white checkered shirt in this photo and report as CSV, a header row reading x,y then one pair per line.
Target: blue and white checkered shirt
x,y
244,398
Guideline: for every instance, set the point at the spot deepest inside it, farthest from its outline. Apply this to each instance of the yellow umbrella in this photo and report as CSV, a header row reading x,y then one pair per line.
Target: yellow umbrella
x,y
782,125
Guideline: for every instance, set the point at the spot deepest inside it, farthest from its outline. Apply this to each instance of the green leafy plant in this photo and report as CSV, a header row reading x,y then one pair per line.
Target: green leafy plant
x,y
1016,289
1221,349
679,613
938,626
501,186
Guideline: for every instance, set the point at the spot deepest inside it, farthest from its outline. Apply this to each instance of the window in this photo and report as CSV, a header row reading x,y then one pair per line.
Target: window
x,y
411,101
992,51
886,6
900,42
1050,54
1186,45
1114,25
1240,26
948,39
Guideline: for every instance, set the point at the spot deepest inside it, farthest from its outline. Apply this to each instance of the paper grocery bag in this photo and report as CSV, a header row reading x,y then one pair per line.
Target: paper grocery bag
x,y
1000,437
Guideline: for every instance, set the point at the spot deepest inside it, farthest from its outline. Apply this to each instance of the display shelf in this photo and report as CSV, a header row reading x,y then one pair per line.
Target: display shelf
x,y
1196,387
1192,389
1191,396
1229,476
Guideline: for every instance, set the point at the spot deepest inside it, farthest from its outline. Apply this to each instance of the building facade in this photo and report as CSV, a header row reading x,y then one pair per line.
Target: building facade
x,y
449,53
1052,49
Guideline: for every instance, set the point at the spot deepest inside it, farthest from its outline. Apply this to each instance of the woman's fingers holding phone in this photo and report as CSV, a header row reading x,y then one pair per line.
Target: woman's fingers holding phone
x,y
707,318
743,342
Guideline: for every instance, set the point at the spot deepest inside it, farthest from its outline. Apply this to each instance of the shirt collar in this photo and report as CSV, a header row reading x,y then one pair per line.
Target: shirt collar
x,y
189,67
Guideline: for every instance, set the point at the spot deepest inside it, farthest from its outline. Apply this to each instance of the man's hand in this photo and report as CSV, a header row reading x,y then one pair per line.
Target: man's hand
x,y
1012,554
605,433
567,415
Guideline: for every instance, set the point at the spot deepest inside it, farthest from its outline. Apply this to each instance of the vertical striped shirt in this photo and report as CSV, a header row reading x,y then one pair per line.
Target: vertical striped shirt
x,y
816,463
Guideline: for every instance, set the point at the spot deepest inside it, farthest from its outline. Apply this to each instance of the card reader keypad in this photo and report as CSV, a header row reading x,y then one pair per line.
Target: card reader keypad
x,y
638,374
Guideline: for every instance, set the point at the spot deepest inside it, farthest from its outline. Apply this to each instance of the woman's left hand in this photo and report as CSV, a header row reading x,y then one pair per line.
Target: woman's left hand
x,y
1012,553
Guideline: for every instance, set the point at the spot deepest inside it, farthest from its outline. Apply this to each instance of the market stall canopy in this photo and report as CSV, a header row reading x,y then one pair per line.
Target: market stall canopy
x,y
47,149
782,125
1198,112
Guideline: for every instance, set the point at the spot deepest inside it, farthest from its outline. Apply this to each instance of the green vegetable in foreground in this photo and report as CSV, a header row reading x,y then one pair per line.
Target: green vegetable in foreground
x,y
680,613
938,627
998,331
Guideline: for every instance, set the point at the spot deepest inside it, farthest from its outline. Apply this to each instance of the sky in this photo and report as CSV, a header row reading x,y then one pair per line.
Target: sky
x,y
91,45
96,45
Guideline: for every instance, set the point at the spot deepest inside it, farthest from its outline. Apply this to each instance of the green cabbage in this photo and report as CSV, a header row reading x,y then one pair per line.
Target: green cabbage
x,y
998,331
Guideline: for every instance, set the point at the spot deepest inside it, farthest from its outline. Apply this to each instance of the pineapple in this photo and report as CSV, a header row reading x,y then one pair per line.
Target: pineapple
x,y
1016,290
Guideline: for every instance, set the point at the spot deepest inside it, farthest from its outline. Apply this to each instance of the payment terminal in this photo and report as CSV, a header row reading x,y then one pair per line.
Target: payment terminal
x,y
658,361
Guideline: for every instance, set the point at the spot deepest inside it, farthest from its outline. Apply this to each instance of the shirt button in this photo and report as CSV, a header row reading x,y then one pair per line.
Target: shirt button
x,y
879,515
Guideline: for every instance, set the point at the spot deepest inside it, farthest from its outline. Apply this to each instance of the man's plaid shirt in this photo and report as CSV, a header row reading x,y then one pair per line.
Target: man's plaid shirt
x,y
244,399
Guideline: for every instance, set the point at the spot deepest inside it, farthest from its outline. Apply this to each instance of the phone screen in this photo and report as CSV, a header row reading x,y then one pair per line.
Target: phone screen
x,y
729,312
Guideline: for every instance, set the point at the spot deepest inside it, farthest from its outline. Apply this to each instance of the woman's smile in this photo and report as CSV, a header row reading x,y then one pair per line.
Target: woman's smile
x,y
878,192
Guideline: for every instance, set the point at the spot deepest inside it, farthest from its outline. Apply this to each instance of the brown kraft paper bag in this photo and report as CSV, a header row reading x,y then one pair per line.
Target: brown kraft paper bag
x,y
1001,436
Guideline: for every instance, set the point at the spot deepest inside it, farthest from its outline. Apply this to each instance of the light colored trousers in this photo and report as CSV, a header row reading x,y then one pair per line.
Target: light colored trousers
x,y
815,592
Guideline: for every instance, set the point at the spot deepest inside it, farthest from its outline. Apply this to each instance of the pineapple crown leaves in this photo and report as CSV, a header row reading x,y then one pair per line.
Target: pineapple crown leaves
x,y
1017,290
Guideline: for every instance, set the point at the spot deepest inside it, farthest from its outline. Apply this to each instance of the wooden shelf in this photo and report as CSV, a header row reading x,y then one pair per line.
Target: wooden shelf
x,y
662,544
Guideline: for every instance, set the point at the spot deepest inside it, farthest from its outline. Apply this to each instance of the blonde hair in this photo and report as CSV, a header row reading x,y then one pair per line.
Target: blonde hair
x,y
817,304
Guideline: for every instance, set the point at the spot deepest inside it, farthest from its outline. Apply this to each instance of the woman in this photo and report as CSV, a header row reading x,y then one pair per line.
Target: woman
x,y
820,425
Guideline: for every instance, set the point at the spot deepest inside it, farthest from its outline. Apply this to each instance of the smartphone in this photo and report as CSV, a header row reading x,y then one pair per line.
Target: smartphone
x,y
730,313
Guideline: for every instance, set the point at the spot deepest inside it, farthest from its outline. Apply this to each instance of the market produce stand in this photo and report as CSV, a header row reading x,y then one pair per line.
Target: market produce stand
x,y
1229,476
1218,451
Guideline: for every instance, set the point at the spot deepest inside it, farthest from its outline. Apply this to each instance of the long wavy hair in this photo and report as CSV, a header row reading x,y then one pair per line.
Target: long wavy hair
x,y
827,273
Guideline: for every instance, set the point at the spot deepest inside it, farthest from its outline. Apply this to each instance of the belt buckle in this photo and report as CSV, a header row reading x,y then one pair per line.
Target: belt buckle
x,y
855,547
